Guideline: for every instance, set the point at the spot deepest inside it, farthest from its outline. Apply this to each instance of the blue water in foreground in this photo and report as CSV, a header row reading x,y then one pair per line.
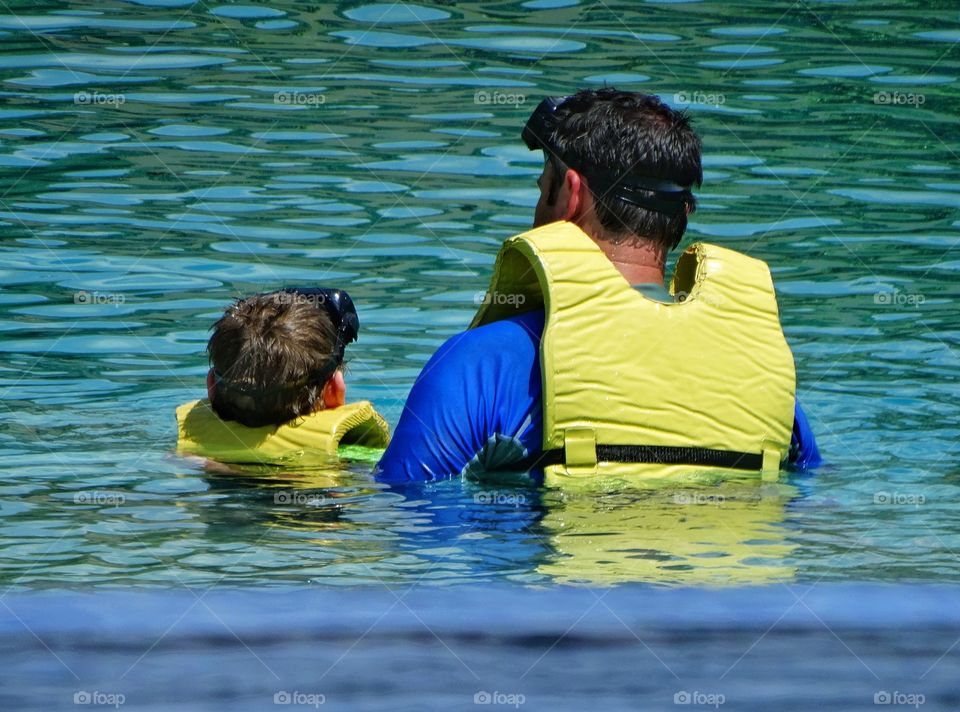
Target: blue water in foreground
x,y
790,648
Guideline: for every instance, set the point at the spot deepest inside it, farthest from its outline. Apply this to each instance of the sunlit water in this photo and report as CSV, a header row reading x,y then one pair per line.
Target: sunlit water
x,y
159,158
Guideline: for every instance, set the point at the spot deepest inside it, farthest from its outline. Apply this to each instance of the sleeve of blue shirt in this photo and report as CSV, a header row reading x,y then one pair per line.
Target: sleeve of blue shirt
x,y
481,386
804,453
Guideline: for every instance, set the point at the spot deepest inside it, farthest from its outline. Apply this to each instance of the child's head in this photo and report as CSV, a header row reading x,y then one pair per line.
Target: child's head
x,y
277,356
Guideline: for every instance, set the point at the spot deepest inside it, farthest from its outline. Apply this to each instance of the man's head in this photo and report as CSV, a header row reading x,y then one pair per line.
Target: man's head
x,y
275,357
619,164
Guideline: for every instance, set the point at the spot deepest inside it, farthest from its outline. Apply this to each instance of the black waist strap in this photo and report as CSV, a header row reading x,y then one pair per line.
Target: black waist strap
x,y
654,454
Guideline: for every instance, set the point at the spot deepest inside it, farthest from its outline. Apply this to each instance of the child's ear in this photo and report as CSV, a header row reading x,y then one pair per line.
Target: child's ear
x,y
335,392
211,384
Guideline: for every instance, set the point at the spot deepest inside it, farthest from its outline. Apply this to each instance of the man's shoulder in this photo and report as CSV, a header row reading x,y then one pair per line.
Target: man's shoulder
x,y
519,330
528,325
496,348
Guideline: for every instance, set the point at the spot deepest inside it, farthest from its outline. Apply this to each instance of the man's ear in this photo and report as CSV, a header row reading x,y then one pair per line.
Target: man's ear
x,y
211,384
573,192
335,392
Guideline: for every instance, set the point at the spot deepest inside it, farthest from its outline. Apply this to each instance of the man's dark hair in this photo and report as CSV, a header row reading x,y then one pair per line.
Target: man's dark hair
x,y
622,133
264,351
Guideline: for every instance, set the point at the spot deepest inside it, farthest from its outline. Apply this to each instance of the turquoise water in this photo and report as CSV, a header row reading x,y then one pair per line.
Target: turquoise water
x,y
159,158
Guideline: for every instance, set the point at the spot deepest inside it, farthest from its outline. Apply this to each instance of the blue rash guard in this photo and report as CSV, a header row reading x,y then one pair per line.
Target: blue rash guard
x,y
476,406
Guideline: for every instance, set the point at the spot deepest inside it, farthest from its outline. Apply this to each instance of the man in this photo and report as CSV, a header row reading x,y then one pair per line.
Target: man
x,y
615,192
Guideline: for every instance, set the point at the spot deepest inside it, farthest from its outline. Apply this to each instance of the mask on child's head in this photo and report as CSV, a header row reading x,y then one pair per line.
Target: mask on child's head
x,y
339,307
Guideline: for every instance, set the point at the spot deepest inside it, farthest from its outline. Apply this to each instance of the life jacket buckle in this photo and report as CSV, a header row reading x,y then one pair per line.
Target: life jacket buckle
x,y
580,451
770,470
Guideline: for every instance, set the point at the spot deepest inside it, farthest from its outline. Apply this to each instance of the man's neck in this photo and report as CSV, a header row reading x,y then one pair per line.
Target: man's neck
x,y
638,262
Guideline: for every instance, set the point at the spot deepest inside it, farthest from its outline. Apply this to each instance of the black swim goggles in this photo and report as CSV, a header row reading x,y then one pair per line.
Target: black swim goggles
x,y
338,306
655,194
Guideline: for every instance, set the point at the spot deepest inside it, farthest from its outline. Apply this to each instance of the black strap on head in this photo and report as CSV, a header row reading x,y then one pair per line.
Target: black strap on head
x,y
659,195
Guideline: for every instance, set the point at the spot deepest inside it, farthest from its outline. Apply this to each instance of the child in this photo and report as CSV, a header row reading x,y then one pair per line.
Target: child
x,y
275,389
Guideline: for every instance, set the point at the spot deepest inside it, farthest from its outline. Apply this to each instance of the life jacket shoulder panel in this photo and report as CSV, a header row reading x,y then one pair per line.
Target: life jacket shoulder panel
x,y
310,439
711,370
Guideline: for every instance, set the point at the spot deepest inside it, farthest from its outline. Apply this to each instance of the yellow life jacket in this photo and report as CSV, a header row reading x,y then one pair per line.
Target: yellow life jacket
x,y
310,439
633,387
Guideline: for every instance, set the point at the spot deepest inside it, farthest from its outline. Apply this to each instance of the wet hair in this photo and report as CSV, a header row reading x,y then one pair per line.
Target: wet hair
x,y
623,133
266,352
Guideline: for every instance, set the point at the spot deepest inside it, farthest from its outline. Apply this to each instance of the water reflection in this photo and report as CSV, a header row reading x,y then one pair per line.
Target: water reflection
x,y
726,534
730,534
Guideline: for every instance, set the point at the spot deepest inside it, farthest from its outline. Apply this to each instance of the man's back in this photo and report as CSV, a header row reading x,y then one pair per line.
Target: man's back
x,y
477,406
